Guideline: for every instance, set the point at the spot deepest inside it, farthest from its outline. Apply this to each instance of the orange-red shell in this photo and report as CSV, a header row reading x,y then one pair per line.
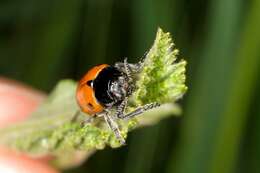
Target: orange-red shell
x,y
85,94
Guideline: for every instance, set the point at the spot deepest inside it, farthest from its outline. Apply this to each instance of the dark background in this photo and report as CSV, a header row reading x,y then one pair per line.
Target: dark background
x,y
44,41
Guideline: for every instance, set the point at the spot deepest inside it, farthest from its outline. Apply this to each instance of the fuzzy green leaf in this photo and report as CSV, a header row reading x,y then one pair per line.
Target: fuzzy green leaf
x,y
161,80
50,130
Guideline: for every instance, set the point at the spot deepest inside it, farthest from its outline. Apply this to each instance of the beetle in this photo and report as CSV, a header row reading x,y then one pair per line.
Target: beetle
x,y
104,87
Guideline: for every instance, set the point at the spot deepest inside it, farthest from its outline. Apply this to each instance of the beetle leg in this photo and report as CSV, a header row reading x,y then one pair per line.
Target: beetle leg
x,y
121,108
88,120
140,64
138,111
128,70
92,117
114,127
75,116
85,121
132,68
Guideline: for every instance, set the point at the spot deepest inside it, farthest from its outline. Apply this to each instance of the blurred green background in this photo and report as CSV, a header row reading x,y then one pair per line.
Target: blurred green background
x,y
44,41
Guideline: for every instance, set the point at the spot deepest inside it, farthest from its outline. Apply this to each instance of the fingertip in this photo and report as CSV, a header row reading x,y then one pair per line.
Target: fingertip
x,y
17,101
12,162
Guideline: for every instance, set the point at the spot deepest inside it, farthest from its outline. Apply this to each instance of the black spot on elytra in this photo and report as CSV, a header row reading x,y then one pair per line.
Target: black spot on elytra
x,y
89,83
90,106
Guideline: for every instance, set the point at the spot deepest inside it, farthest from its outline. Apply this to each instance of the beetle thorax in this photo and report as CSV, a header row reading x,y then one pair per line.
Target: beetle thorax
x,y
118,88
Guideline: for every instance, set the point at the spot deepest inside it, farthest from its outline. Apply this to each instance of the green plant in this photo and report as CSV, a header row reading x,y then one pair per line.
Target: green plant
x,y
51,131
